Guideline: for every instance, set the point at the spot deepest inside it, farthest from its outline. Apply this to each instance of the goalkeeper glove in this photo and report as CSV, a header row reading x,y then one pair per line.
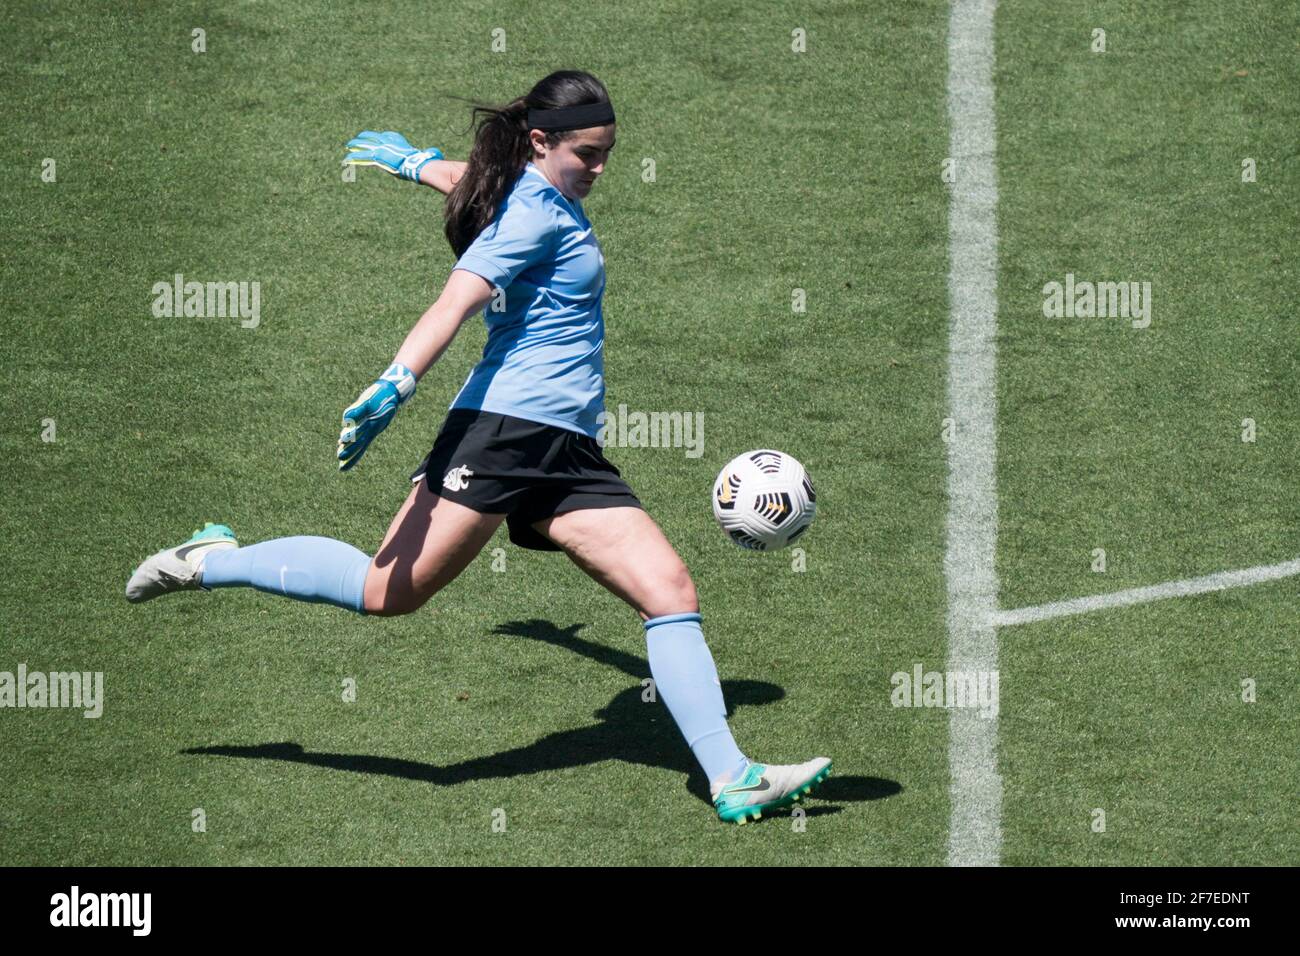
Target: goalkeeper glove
x,y
389,151
371,413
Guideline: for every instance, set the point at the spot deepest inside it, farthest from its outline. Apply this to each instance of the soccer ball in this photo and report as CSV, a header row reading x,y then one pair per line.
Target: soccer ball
x,y
764,500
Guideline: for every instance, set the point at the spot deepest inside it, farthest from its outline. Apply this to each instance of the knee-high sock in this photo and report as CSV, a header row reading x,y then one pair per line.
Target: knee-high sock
x,y
306,567
687,680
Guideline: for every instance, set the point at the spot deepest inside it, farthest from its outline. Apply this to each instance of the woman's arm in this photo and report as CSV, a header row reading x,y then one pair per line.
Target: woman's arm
x,y
464,294
442,174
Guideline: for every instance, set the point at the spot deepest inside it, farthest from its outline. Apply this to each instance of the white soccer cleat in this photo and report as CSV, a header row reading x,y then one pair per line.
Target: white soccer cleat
x,y
178,568
764,787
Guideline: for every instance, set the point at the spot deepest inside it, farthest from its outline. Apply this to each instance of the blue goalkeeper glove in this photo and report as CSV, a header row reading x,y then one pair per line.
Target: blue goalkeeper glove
x,y
371,413
389,151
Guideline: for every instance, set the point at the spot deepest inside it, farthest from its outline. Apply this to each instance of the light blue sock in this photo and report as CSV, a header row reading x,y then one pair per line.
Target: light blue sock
x,y
306,567
687,680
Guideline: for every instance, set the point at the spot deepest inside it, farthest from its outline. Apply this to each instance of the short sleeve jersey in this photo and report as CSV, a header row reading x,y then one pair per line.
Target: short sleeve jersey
x,y
544,358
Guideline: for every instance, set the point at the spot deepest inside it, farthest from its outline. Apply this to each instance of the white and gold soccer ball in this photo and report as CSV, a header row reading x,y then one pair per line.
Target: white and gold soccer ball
x,y
764,499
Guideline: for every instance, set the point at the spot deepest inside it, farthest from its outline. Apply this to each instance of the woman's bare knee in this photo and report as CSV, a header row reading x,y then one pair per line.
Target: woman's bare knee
x,y
674,594
385,597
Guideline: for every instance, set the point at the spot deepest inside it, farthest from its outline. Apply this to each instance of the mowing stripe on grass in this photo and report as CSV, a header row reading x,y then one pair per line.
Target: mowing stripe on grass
x,y
975,828
1154,592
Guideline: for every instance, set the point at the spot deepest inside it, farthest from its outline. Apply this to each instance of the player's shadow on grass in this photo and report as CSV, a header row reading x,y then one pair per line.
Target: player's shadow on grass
x,y
630,729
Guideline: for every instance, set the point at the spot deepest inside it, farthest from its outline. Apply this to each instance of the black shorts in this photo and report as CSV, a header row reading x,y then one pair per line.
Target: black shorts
x,y
499,464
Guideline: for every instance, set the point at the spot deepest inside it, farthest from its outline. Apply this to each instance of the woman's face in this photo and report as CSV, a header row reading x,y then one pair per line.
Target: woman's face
x,y
574,165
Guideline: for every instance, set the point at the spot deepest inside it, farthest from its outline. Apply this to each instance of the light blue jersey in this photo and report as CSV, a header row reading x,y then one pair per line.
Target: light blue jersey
x,y
544,358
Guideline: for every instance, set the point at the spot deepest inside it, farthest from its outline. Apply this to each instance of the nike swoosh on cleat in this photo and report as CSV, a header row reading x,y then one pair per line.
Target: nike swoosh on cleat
x,y
183,551
756,788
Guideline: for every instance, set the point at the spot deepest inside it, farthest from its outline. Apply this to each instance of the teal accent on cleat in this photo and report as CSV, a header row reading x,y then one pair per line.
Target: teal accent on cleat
x,y
764,787
179,568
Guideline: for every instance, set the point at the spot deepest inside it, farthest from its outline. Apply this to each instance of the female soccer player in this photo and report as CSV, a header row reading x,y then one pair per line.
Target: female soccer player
x,y
519,442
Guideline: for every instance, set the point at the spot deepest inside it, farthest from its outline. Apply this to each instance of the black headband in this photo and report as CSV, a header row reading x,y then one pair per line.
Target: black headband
x,y
572,117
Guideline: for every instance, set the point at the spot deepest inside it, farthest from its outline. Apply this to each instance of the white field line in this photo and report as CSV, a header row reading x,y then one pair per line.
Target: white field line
x,y
1155,592
975,827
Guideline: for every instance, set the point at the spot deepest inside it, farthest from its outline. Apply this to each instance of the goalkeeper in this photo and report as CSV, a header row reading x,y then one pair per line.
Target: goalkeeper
x,y
519,443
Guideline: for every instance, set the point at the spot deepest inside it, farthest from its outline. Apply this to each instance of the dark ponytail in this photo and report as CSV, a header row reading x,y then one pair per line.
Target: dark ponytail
x,y
502,148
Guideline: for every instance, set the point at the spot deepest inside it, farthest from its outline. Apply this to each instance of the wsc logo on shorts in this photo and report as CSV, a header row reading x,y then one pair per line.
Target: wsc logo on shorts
x,y
457,479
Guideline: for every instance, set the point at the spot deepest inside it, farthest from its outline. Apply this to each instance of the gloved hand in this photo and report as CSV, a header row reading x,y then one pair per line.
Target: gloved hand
x,y
389,151
370,414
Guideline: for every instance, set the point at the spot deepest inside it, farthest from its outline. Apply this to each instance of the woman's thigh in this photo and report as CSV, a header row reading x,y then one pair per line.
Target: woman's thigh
x,y
624,550
430,541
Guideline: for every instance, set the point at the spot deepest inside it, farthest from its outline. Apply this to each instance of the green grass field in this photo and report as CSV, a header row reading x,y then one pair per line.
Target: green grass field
x,y
519,690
